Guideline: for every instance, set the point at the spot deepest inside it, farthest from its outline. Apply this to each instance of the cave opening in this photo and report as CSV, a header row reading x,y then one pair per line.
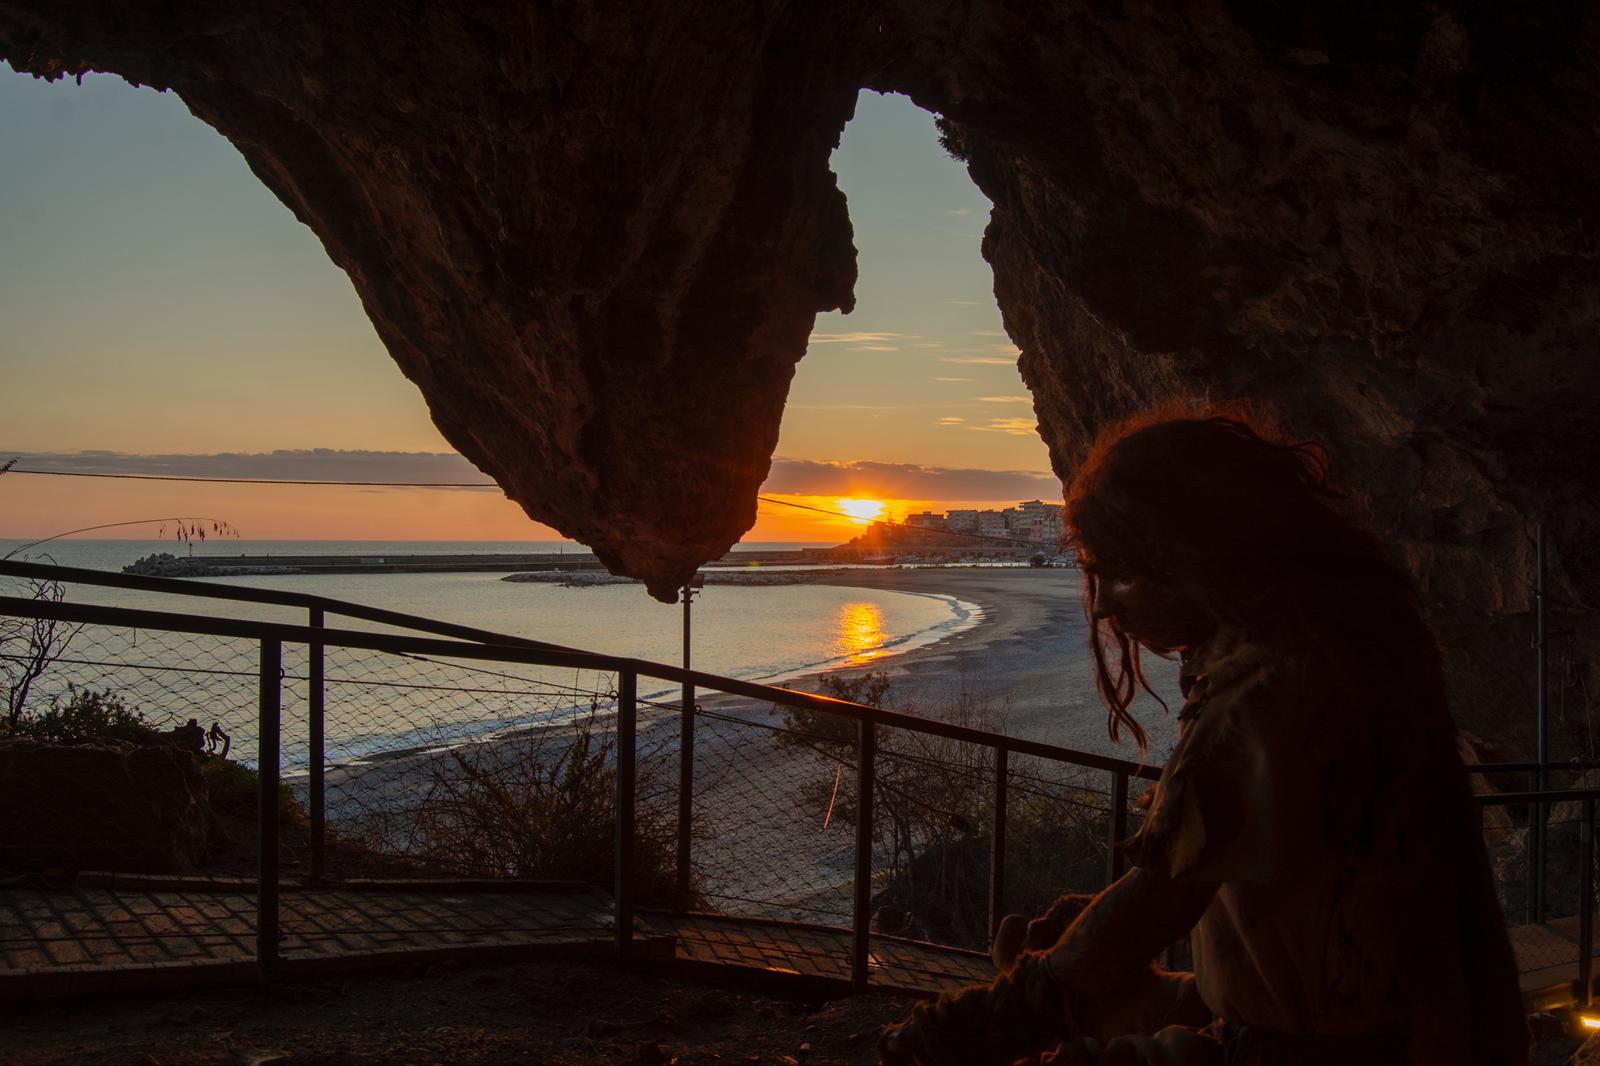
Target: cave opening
x,y
921,373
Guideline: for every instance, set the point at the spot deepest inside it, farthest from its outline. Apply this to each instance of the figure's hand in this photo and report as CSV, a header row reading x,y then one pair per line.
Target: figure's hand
x,y
917,1041
1016,934
1020,1013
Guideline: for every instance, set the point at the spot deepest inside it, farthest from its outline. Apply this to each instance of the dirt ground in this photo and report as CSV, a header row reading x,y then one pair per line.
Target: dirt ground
x,y
531,1014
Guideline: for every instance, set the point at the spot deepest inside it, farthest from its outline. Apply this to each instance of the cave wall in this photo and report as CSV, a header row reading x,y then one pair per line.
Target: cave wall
x,y
596,237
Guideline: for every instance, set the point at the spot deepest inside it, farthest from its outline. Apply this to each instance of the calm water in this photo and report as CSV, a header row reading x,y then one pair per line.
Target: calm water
x,y
765,634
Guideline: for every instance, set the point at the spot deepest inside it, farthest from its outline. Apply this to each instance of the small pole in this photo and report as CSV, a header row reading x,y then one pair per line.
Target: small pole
x,y
1540,811
866,753
270,722
1118,826
1586,906
997,845
627,720
316,727
685,759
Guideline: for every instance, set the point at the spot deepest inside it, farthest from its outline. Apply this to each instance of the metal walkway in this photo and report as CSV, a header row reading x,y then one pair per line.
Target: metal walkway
x,y
169,933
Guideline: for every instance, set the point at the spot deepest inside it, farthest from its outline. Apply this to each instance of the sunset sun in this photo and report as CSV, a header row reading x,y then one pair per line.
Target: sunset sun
x,y
862,511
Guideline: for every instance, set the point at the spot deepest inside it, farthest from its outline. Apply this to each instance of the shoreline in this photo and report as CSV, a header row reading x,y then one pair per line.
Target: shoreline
x,y
762,845
1027,656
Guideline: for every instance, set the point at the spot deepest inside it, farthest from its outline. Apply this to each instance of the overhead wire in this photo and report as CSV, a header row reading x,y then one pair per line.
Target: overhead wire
x,y
195,479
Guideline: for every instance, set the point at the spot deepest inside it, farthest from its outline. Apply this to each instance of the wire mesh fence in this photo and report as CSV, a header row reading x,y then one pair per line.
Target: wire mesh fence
x,y
461,765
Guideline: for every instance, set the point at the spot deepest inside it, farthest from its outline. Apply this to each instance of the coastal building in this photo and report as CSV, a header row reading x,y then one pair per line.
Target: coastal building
x,y
1040,521
926,520
961,521
993,523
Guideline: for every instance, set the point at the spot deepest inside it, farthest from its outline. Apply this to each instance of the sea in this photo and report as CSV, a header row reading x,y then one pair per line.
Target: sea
x,y
768,634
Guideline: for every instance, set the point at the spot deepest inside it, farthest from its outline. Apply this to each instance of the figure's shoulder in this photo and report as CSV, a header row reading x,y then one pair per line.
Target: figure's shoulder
x,y
1235,666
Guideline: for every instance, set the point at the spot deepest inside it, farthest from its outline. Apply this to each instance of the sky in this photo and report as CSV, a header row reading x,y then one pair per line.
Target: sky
x,y
162,312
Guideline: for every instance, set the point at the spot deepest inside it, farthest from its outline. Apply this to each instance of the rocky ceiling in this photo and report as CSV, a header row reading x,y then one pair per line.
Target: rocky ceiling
x,y
596,235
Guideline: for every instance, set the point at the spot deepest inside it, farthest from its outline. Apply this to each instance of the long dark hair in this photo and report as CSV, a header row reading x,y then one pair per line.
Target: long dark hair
x,y
1216,504
1246,522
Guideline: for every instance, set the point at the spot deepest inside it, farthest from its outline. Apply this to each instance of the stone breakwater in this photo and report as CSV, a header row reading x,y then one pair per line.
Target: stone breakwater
x,y
583,579
165,564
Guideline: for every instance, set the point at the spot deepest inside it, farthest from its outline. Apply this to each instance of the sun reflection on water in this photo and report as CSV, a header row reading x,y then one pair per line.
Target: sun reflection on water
x,y
859,634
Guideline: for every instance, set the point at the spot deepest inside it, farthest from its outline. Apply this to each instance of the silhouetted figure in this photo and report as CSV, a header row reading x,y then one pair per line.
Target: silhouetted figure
x,y
1313,832
216,739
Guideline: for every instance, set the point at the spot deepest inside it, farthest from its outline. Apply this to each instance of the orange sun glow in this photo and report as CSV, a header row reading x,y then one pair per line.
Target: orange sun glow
x,y
863,512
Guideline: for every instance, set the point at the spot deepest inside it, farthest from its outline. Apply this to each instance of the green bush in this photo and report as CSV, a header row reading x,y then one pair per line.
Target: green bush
x,y
87,714
543,807
933,812
234,789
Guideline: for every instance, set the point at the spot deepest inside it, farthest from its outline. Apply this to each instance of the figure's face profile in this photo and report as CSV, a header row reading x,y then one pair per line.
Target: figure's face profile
x,y
1150,609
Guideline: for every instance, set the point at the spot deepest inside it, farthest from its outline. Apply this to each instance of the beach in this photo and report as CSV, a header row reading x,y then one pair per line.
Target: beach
x,y
1027,658
766,843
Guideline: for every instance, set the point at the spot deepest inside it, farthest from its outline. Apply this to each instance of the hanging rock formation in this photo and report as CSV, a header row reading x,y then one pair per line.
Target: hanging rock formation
x,y
596,236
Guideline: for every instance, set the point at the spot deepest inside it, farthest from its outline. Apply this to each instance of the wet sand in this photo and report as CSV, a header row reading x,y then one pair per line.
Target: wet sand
x,y
1028,659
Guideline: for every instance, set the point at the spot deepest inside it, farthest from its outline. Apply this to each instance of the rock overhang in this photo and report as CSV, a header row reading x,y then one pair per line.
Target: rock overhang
x,y
597,238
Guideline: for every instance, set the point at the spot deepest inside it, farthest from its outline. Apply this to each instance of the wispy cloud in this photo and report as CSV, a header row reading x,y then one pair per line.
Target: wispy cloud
x,y
987,333
853,338
952,420
907,481
926,344
977,360
952,379
300,464
846,407
1015,427
873,348
959,212
1004,399
963,303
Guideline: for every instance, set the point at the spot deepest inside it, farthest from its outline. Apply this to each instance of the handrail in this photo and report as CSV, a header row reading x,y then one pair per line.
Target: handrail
x,y
276,597
471,644
1553,795
541,656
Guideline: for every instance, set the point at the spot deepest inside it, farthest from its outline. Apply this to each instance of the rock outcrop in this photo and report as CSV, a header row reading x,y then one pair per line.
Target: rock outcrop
x,y
102,805
596,236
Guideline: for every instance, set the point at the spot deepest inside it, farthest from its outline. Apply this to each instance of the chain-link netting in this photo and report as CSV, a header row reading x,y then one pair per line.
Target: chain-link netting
x,y
452,767
144,747
1539,881
133,750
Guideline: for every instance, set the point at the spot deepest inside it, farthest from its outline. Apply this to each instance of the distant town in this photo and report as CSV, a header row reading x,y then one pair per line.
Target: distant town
x,y
1032,520
1031,528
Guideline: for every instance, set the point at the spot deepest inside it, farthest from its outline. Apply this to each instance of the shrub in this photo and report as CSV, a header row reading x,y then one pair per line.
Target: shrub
x,y
87,714
933,812
536,809
234,790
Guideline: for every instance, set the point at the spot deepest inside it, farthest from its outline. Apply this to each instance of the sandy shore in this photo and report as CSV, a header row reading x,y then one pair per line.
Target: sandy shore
x,y
763,843
1027,660
760,803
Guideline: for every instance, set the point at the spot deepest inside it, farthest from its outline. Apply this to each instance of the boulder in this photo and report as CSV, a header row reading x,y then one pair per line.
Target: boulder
x,y
101,805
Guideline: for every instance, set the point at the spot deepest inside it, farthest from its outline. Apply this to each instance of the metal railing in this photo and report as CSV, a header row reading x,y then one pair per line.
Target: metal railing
x,y
867,757
475,646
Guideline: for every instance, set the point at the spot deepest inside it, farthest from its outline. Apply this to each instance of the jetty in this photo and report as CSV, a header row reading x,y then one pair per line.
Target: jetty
x,y
168,565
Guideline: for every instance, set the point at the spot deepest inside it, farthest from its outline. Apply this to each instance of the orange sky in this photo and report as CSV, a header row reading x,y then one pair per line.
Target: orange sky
x,y
32,507
162,303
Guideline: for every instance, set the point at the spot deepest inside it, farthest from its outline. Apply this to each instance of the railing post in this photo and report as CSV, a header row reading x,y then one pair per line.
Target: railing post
x,y
685,762
1586,906
866,755
1119,825
316,727
1537,838
997,844
271,714
627,722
